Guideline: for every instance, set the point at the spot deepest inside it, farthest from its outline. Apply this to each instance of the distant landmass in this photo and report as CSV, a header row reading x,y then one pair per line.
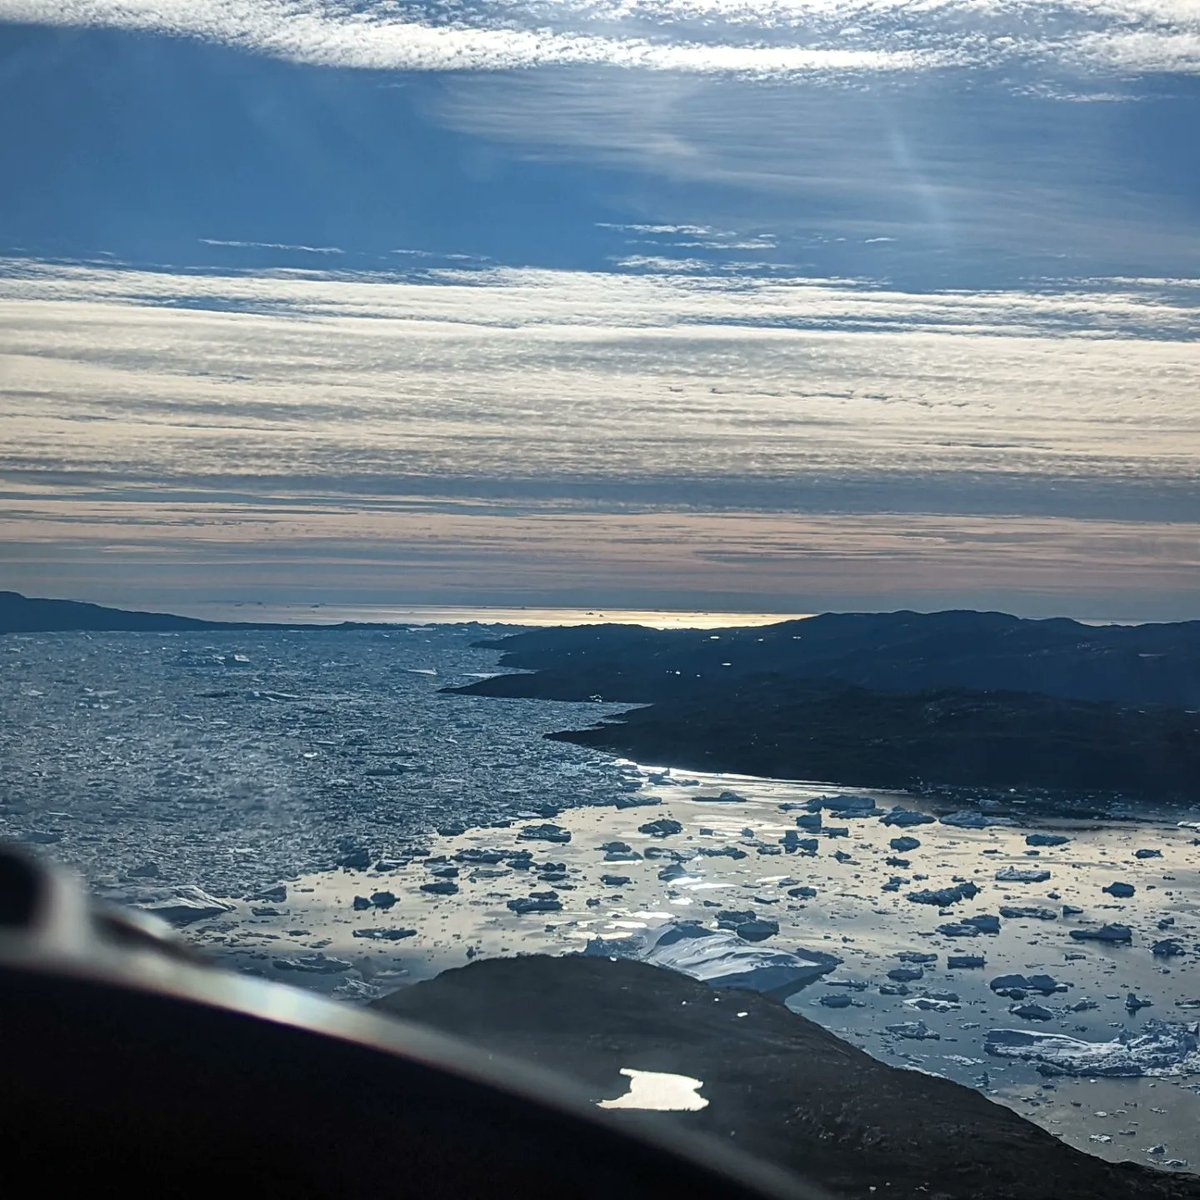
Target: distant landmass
x,y
895,652
22,614
889,700
778,1085
25,614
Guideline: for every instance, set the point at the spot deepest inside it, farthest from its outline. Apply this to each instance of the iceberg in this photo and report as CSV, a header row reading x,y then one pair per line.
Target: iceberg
x,y
1159,1048
719,958
183,906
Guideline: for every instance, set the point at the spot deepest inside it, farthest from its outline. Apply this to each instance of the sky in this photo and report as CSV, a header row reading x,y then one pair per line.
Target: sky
x,y
783,306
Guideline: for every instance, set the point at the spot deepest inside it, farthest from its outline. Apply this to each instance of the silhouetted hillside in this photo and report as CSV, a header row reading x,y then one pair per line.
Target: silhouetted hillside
x,y
900,651
996,740
26,614
22,614
892,700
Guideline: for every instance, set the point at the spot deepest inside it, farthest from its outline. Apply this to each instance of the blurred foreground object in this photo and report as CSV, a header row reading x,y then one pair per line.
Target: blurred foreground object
x,y
130,1065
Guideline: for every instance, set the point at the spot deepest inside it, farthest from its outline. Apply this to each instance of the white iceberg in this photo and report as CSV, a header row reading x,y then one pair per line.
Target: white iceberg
x,y
185,905
719,958
1157,1048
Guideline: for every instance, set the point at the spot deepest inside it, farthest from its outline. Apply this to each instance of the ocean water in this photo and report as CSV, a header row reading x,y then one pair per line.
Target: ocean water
x,y
232,760
444,614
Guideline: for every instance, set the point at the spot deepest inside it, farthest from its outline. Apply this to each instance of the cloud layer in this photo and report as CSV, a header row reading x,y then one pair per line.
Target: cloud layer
x,y
633,436
636,375
771,38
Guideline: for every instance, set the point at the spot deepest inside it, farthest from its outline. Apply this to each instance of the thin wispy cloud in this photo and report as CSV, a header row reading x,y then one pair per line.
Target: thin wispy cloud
x,y
270,246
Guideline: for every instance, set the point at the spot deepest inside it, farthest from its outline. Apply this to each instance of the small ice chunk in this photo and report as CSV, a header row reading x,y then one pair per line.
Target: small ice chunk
x,y
757,931
1046,839
1034,914
1032,1012
724,797
943,897
1004,985
916,1030
1167,948
547,832
1021,875
534,904
1105,933
969,819
836,1000
905,817
663,827
313,964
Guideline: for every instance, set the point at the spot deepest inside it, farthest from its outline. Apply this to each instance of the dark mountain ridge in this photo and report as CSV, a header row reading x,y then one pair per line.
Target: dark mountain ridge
x,y
898,700
897,651
795,729
27,614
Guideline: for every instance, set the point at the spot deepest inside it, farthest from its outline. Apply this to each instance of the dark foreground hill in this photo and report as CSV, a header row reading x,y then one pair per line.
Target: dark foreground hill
x,y
778,1085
